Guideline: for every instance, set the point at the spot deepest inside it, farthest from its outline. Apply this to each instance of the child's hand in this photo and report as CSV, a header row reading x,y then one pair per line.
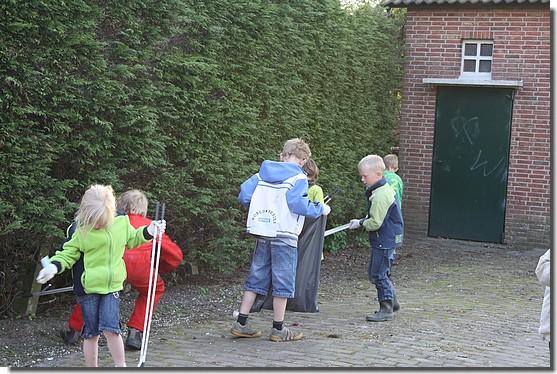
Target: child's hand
x,y
161,225
326,209
354,224
47,273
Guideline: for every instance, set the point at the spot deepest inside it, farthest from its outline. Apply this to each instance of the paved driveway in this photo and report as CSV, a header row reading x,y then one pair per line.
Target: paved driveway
x,y
462,305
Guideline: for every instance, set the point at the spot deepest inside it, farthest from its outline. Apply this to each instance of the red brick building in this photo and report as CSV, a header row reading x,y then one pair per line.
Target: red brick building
x,y
475,120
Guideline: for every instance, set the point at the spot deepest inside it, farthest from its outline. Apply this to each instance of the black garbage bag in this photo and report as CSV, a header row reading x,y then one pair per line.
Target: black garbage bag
x,y
310,249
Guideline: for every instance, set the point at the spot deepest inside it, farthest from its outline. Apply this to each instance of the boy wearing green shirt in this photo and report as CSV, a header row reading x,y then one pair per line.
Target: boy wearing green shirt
x,y
315,192
395,181
390,174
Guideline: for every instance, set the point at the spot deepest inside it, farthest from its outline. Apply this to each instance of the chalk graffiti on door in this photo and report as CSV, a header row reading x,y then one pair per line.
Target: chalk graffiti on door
x,y
467,132
477,164
465,129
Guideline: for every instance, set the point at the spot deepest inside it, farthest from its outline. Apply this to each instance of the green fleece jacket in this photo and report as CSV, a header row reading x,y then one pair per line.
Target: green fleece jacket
x,y
315,193
396,183
103,252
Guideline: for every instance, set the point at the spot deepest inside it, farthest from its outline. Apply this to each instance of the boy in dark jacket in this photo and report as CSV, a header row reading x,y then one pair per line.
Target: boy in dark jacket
x,y
385,226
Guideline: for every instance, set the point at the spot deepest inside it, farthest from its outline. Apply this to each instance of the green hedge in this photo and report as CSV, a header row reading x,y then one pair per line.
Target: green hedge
x,y
182,99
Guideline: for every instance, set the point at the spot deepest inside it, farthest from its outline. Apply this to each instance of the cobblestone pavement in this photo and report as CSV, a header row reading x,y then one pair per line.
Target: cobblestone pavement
x,y
462,305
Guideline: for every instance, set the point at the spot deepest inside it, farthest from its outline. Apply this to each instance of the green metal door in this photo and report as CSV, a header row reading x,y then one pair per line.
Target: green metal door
x,y
470,163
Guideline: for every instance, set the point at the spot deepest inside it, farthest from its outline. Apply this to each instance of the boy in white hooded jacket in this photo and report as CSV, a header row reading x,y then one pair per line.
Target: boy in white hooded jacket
x,y
278,202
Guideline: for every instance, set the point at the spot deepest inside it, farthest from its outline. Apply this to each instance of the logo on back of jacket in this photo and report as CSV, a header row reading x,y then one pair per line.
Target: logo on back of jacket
x,y
265,216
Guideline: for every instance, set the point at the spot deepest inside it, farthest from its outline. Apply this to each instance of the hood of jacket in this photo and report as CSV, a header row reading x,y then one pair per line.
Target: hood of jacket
x,y
277,172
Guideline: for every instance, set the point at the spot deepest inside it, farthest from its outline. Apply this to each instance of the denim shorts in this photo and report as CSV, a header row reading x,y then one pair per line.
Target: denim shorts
x,y
274,262
100,313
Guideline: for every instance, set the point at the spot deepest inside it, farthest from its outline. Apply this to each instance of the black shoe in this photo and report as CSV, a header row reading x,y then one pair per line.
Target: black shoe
x,y
385,312
134,339
71,337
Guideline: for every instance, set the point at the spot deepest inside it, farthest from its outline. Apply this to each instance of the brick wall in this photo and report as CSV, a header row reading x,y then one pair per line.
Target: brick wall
x,y
521,39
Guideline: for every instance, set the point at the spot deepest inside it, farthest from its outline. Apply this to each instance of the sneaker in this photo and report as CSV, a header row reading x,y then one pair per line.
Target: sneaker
x,y
244,331
133,341
285,335
71,337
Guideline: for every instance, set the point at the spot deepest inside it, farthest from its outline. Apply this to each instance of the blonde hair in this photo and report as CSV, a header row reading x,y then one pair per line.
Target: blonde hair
x,y
391,161
296,147
97,207
133,201
311,170
373,163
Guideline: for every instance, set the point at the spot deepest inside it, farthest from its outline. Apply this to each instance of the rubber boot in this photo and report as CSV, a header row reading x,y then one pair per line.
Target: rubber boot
x,y
396,305
134,339
385,312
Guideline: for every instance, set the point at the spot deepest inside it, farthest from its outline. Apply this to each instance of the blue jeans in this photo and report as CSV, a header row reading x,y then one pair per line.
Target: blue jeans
x,y
100,313
393,256
378,272
274,262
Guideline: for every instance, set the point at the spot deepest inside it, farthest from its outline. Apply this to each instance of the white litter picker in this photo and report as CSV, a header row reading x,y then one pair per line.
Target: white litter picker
x,y
153,275
336,229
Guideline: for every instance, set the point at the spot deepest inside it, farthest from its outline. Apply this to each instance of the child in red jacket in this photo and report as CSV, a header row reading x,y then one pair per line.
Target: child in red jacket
x,y
134,203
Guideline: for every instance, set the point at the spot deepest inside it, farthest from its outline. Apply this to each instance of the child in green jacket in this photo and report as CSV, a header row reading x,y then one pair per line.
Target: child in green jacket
x,y
315,192
101,238
391,176
395,181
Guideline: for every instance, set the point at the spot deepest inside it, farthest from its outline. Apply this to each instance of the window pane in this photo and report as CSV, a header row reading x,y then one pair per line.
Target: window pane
x,y
486,50
470,49
485,66
469,65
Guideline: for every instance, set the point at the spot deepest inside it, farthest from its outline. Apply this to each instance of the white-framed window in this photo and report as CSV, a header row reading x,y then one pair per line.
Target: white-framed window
x,y
477,58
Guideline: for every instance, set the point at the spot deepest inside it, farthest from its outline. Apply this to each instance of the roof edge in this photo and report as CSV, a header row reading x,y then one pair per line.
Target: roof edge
x,y
463,3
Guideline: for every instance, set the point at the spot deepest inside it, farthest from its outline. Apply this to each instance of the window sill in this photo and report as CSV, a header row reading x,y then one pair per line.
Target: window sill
x,y
472,82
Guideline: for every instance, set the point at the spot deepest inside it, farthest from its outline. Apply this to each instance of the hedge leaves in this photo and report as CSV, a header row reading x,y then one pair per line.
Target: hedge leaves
x,y
182,99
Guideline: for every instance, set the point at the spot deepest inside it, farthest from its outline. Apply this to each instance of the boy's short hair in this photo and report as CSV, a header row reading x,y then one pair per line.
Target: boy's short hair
x,y
97,207
296,147
311,169
133,201
391,161
372,162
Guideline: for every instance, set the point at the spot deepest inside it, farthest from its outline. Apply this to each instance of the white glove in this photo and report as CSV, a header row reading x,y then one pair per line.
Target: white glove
x,y
354,224
47,273
326,210
156,225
